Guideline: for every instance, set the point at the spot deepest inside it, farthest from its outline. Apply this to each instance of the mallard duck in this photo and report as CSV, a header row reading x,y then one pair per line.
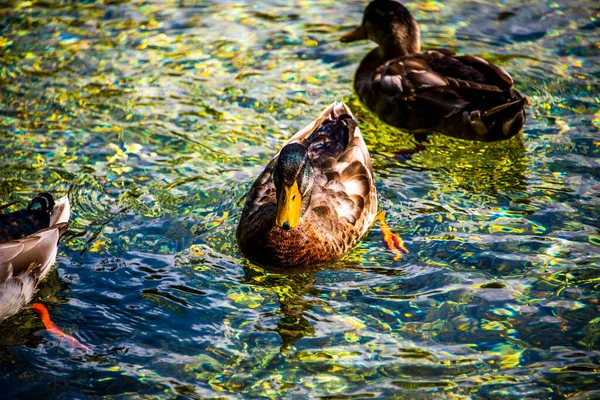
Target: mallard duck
x,y
28,246
316,197
437,90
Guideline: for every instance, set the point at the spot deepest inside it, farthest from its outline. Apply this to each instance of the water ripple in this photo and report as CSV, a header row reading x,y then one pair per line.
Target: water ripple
x,y
155,118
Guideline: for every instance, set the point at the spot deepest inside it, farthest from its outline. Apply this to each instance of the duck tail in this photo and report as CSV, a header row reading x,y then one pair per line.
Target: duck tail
x,y
504,112
500,122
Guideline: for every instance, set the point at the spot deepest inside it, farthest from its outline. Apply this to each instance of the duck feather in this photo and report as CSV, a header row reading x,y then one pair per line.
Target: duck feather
x,y
342,206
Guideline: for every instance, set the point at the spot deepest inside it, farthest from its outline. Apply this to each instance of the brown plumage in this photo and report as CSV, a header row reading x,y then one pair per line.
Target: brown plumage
x,y
28,246
460,96
339,200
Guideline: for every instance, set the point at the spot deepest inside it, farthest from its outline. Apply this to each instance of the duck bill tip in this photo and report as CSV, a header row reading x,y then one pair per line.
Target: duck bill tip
x,y
356,34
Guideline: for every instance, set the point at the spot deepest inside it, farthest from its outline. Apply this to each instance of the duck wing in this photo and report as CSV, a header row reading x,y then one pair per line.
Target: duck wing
x,y
23,263
444,82
39,248
16,291
461,96
492,74
344,198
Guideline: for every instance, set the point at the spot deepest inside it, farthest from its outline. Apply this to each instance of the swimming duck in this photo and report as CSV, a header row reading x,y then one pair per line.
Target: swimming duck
x,y
316,197
460,96
28,246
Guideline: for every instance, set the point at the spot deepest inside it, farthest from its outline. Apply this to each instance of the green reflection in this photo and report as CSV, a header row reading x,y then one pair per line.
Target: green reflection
x,y
291,288
156,116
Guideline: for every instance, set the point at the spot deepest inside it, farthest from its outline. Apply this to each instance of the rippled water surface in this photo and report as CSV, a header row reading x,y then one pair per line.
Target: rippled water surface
x,y
156,116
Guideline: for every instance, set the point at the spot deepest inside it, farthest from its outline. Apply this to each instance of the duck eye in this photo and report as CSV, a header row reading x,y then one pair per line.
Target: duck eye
x,y
294,198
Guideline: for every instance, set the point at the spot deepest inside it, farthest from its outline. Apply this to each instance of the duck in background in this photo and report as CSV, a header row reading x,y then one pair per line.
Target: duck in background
x,y
28,247
464,97
315,199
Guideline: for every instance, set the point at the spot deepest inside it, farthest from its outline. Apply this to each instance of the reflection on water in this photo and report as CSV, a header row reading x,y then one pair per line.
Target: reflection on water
x,y
291,290
155,117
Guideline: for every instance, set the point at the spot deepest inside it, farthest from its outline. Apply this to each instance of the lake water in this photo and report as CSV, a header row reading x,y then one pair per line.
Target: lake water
x,y
156,116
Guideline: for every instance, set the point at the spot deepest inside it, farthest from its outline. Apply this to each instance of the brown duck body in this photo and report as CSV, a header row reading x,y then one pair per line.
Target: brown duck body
x,y
460,96
342,206
268,244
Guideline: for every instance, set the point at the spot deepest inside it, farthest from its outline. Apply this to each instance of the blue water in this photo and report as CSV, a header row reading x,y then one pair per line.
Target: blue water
x,y
156,116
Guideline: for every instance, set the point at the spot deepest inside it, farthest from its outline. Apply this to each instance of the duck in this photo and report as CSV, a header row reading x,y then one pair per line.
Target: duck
x,y
461,96
28,246
315,199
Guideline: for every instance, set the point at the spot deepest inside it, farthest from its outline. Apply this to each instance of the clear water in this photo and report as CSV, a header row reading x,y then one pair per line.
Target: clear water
x,y
156,116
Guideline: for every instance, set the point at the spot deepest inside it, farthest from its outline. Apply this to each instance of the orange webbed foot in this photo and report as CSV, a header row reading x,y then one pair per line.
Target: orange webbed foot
x,y
51,327
392,241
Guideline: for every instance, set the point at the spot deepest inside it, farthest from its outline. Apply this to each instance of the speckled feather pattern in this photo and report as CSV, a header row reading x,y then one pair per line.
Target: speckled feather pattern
x,y
16,291
343,203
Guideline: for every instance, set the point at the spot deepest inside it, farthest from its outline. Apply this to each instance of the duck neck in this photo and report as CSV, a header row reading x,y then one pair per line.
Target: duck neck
x,y
364,74
372,60
401,42
395,50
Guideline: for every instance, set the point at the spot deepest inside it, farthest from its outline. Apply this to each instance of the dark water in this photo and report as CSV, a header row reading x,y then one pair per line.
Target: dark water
x,y
156,116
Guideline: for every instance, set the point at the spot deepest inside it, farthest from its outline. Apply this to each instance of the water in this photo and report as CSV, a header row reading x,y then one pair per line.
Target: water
x,y
156,116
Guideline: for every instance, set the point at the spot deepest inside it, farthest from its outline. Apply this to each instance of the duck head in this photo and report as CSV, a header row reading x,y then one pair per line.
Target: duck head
x,y
294,178
389,24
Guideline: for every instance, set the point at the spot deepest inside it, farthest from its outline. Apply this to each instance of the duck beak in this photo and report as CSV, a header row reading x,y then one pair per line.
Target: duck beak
x,y
357,34
289,207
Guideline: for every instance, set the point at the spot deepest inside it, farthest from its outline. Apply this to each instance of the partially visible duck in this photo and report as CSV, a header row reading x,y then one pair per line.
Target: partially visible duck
x,y
437,90
315,199
28,247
